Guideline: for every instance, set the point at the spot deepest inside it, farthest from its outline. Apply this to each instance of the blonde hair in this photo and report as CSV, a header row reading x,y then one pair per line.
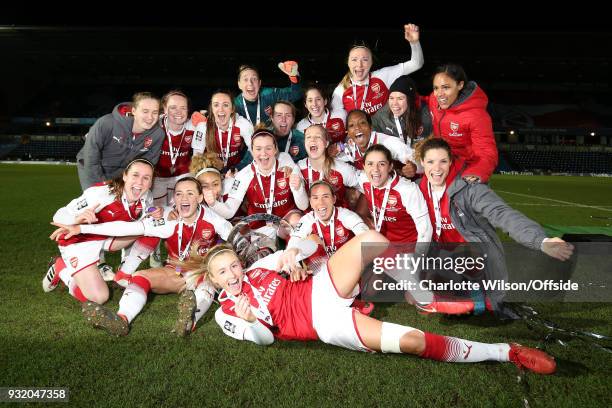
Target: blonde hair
x,y
199,264
329,161
140,96
346,79
208,159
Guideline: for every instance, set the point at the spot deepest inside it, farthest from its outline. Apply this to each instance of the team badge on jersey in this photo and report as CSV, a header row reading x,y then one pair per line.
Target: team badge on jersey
x,y
333,180
454,128
207,233
148,141
294,150
335,126
281,183
375,88
392,201
237,138
188,139
74,261
340,231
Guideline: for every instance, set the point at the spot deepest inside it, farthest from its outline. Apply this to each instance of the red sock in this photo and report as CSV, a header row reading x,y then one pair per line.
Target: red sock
x,y
436,347
79,295
59,265
143,282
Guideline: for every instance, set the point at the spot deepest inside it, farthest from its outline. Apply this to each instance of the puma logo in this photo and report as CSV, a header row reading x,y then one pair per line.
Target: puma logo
x,y
467,353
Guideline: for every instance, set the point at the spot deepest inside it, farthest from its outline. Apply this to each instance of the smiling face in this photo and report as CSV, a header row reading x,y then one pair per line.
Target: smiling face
x,y
211,181
187,199
436,164
315,142
282,119
225,272
137,181
446,90
322,201
176,110
146,114
398,103
249,83
359,63
222,108
358,129
264,152
315,103
377,168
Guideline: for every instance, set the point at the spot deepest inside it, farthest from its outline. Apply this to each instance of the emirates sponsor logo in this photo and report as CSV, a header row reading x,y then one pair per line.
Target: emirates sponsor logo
x,y
281,183
392,201
207,233
454,130
279,203
148,142
74,261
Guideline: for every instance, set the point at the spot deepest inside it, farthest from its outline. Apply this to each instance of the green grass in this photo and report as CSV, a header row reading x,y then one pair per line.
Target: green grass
x,y
45,341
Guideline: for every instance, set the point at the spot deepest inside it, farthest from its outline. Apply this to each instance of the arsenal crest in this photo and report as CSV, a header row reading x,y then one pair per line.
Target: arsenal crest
x,y
375,88
333,180
294,150
188,139
392,201
207,233
148,142
281,183
335,126
454,126
237,138
74,261
339,231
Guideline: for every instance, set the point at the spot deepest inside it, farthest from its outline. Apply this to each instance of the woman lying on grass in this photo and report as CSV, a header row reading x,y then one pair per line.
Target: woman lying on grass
x,y
258,304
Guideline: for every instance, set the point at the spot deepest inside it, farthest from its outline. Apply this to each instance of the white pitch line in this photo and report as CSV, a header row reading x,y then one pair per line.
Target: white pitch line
x,y
556,201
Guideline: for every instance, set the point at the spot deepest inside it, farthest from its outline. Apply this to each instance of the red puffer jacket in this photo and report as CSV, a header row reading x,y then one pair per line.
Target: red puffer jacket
x,y
467,128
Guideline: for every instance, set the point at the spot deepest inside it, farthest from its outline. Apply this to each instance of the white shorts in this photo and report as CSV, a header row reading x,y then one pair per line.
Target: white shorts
x,y
332,315
163,189
83,254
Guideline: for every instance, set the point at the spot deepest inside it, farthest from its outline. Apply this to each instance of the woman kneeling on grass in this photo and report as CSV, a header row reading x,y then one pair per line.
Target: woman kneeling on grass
x,y
259,304
196,229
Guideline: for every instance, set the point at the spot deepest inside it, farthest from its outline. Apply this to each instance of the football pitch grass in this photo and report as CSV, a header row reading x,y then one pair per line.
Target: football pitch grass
x,y
45,341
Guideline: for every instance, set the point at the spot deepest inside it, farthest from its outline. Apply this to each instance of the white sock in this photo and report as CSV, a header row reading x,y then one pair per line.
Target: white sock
x,y
456,350
204,294
133,300
66,277
135,255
